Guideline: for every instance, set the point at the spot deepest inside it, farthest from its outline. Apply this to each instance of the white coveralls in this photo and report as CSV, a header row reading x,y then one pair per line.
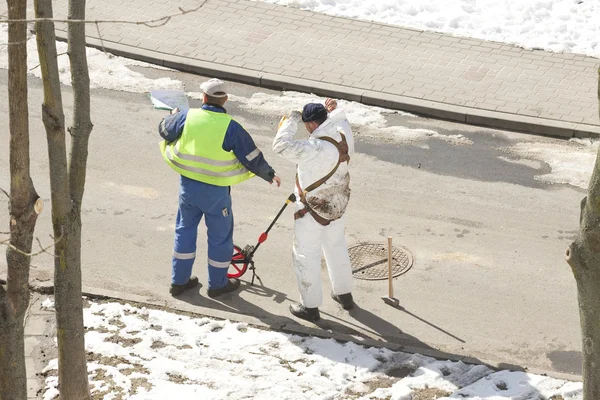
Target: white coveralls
x,y
316,158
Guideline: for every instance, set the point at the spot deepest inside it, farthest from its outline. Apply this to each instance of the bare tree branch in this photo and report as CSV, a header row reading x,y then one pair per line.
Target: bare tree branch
x,y
58,55
101,40
15,43
151,23
5,192
43,249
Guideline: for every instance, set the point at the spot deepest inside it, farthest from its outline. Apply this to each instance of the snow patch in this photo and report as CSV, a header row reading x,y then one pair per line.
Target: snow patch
x,y
516,385
371,121
106,70
571,162
535,164
557,25
48,303
139,353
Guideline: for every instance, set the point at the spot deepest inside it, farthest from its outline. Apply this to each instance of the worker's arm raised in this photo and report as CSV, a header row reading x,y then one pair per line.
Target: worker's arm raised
x,y
238,140
286,146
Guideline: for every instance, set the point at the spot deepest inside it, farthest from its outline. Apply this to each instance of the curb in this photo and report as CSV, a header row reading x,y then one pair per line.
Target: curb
x,y
105,294
428,108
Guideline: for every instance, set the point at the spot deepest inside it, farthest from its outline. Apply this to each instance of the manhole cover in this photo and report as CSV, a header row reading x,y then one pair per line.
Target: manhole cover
x,y
370,261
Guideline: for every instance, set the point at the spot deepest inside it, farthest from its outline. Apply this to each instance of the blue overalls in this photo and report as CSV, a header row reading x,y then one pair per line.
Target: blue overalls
x,y
198,199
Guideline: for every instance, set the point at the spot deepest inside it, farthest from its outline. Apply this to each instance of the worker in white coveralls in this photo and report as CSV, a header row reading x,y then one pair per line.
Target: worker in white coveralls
x,y
322,192
211,152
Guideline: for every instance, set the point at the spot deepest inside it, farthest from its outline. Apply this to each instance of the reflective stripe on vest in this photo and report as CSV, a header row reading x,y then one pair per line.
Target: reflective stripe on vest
x,y
198,154
203,160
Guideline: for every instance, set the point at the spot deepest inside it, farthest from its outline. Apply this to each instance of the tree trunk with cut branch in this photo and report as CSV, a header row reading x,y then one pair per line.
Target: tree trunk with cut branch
x,y
583,255
25,205
67,183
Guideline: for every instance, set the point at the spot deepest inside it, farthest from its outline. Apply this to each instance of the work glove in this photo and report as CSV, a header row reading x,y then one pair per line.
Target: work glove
x,y
295,116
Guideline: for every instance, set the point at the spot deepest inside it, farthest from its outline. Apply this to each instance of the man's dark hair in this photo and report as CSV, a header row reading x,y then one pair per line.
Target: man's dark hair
x,y
319,120
314,112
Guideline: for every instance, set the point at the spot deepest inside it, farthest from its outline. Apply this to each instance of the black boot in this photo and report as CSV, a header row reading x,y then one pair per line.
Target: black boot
x,y
344,299
309,314
232,285
176,290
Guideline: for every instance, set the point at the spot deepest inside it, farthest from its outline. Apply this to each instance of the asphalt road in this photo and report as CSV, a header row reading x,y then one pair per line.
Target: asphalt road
x,y
489,278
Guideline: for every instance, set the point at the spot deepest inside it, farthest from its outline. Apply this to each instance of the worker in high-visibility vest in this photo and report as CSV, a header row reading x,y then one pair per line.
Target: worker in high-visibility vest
x,y
211,152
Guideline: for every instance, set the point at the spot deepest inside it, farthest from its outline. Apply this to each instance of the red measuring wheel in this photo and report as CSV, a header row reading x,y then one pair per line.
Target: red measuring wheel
x,y
239,264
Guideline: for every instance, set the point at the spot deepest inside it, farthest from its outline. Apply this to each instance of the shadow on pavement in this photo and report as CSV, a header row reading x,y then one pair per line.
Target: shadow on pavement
x,y
362,326
566,361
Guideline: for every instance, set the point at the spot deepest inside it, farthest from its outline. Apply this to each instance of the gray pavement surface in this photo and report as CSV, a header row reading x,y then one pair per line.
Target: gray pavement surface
x,y
489,279
461,79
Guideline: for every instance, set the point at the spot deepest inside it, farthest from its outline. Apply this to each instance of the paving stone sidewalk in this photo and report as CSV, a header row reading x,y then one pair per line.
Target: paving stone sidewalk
x,y
281,46
40,334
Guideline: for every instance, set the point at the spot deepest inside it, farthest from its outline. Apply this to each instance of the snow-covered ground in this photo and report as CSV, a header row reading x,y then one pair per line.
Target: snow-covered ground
x,y
140,353
368,120
106,70
555,25
571,162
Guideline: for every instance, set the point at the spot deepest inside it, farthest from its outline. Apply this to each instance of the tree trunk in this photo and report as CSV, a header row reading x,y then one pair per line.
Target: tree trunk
x,y
25,205
67,193
583,255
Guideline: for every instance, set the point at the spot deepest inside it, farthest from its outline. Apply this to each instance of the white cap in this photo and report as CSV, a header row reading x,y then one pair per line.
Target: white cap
x,y
214,87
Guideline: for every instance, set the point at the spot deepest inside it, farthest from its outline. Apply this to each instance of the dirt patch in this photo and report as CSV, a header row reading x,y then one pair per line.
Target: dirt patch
x,y
117,322
176,378
381,383
286,365
184,347
557,397
155,327
306,362
385,383
100,329
100,375
400,372
350,394
125,342
141,316
103,360
159,344
429,394
137,383
114,361
86,303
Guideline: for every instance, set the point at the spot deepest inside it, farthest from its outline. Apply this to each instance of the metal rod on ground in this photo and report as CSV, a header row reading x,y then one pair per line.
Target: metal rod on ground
x,y
390,299
391,283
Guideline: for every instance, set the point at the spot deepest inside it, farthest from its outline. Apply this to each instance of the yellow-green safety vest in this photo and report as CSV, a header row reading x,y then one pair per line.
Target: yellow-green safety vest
x,y
198,154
